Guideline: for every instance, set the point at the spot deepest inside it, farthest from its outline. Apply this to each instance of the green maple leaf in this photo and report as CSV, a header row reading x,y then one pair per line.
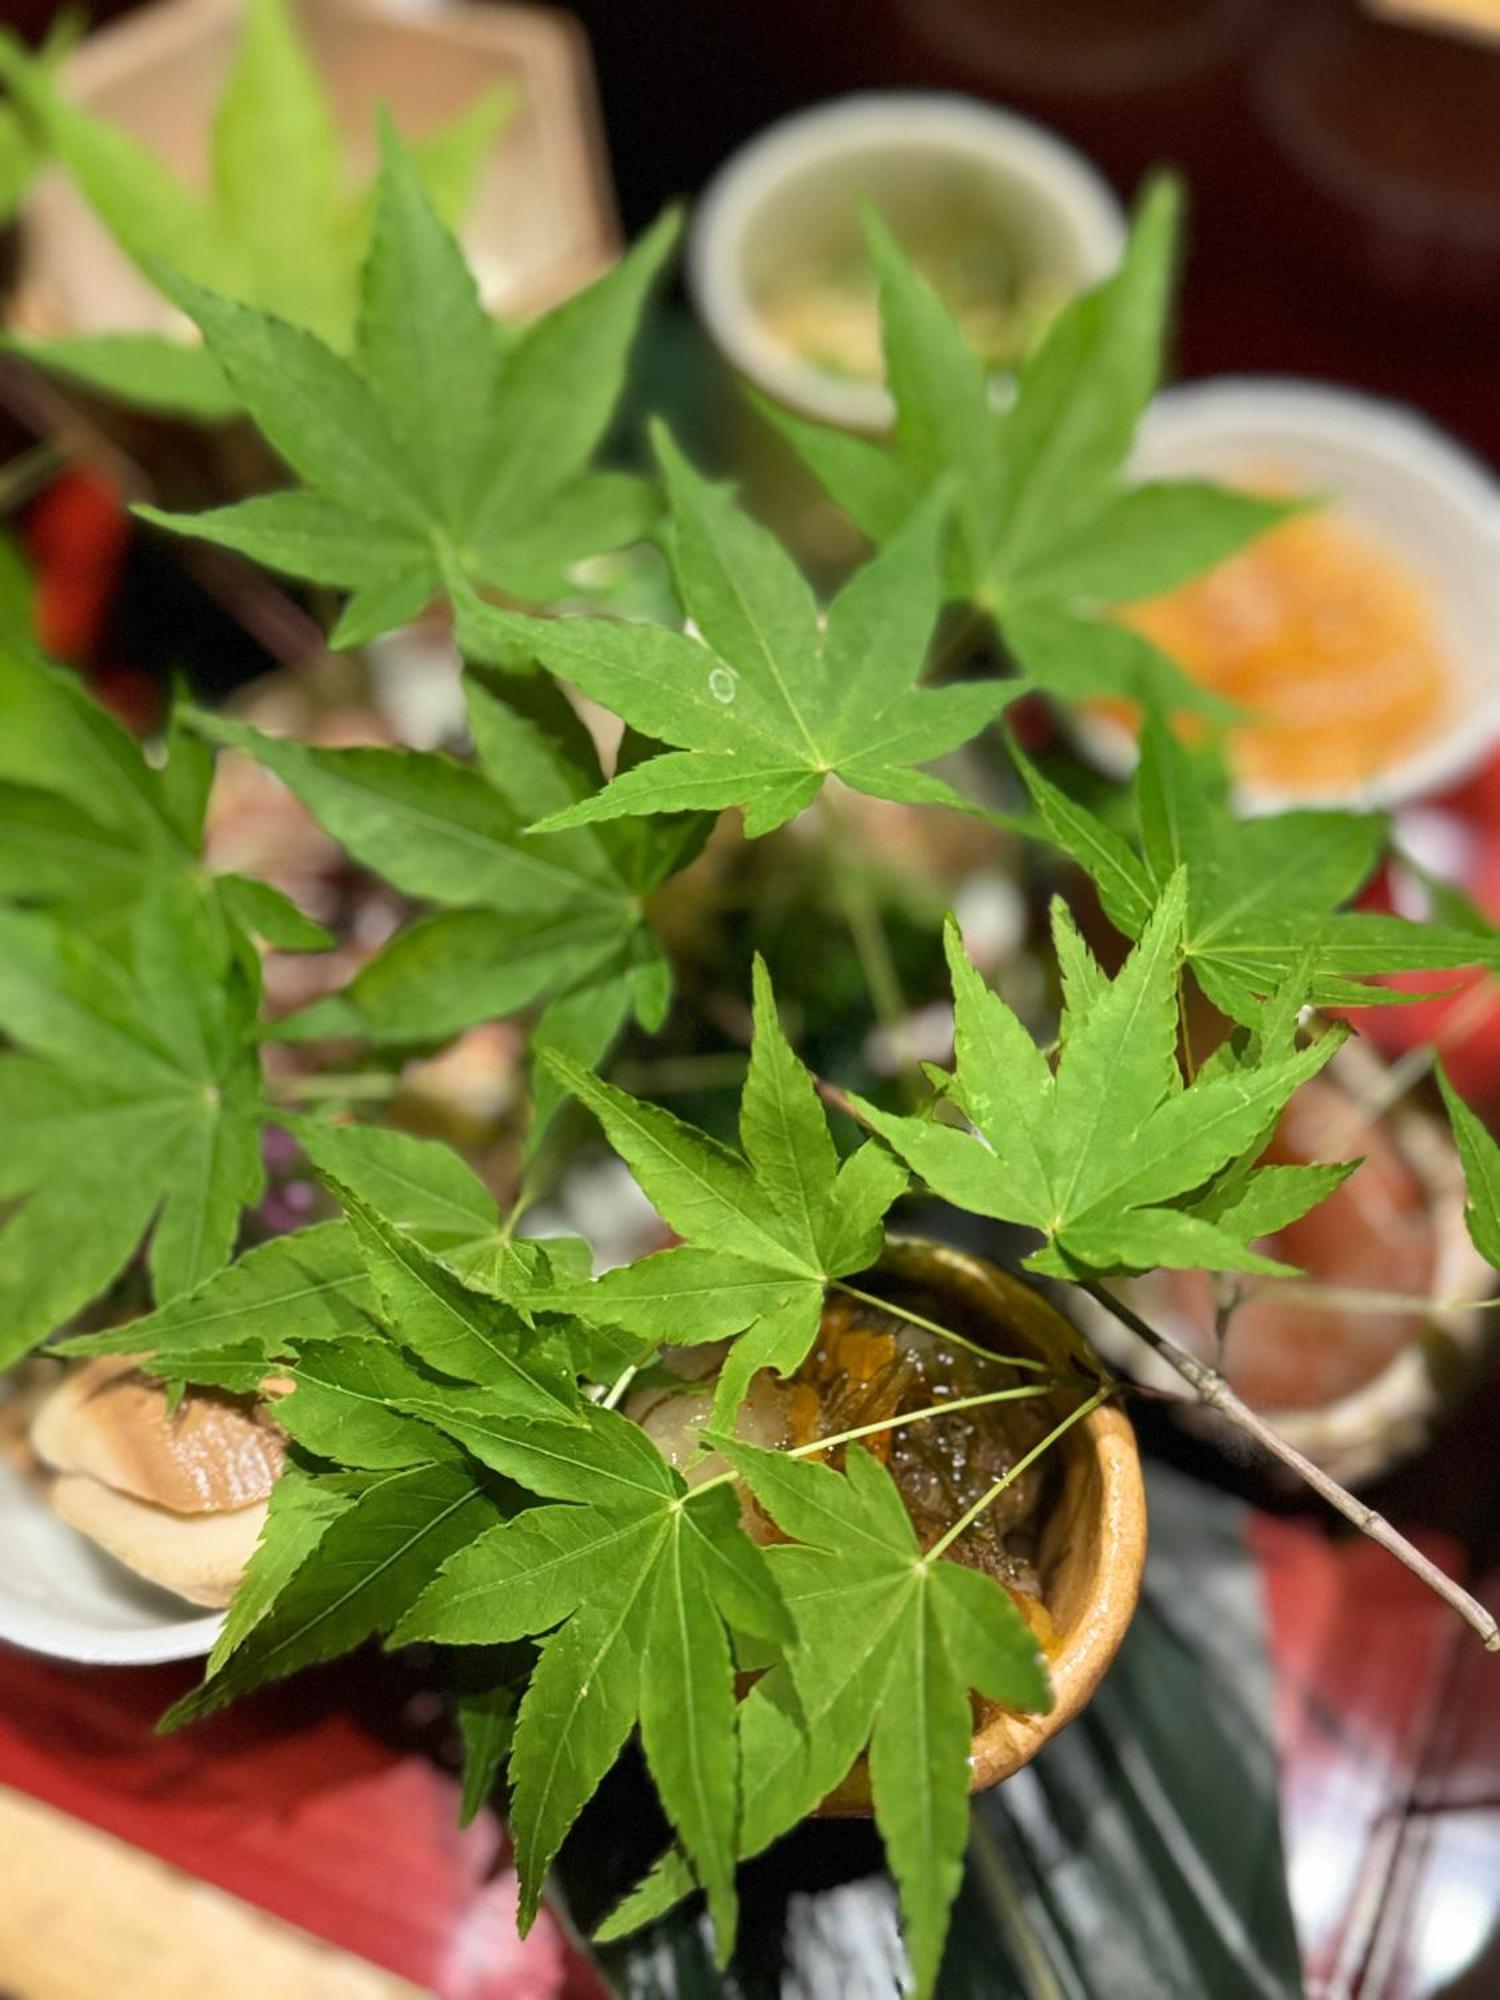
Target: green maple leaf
x,y
86,821
228,1332
486,1710
342,1404
132,1105
437,452
384,1373
420,1186
88,825
764,1232
312,1287
23,149
1117,1165
1481,1163
638,1585
523,916
1046,535
302,1506
765,704
322,1586
459,1331
890,1644
1261,892
278,228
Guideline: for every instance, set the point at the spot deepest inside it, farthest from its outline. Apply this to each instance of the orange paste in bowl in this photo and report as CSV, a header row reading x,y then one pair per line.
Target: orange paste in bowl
x,y
1327,636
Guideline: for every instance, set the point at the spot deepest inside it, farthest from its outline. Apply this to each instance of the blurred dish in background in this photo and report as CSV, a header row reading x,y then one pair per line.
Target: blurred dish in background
x,y
1363,635
1388,131
157,74
1077,47
1326,634
1007,221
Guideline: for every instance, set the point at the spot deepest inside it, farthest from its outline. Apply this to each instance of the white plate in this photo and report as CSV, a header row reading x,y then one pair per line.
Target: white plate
x,y
61,1595
1388,472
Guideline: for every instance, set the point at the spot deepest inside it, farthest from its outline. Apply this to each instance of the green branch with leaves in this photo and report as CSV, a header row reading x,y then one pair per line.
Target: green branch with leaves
x,y
463,1468
278,227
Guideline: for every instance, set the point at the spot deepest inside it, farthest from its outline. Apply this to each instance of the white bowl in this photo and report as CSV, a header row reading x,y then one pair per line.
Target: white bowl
x,y
1388,472
61,1595
805,181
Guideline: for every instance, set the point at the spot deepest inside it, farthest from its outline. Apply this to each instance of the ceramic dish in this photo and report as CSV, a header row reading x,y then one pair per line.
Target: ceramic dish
x,y
799,192
1389,476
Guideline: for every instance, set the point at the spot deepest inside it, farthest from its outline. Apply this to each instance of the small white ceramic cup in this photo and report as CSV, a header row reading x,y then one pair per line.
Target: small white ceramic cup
x,y
61,1595
801,185
1384,470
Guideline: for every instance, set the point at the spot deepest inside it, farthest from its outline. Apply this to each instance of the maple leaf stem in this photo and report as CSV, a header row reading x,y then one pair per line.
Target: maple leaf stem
x,y
1024,1361
1212,1390
371,1084
874,1429
26,474
1029,1391
871,945
1188,1065
987,1500
610,1400
528,1192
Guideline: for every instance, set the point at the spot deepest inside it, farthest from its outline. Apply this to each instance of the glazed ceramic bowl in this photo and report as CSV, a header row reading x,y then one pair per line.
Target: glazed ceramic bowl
x,y
1093,1536
1388,475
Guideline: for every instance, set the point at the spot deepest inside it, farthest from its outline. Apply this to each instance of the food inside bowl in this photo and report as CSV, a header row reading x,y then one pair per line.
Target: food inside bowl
x,y
870,1366
827,312
1328,638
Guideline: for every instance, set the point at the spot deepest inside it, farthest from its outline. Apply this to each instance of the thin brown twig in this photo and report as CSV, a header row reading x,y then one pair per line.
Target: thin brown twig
x,y
839,1099
1212,1390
